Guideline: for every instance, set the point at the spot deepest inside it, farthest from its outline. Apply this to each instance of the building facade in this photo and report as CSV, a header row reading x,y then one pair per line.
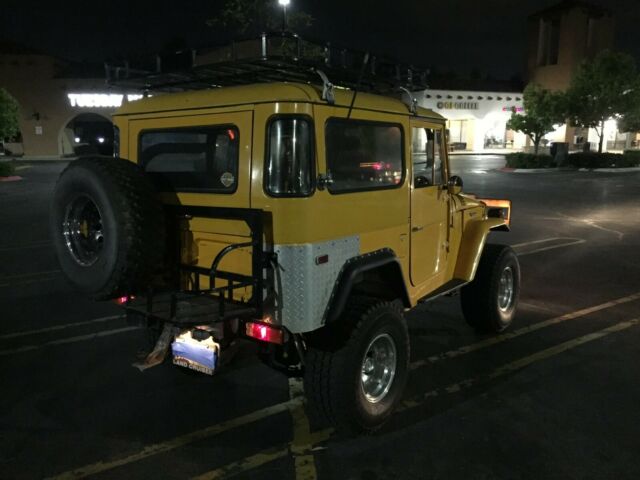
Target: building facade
x,y
477,121
61,114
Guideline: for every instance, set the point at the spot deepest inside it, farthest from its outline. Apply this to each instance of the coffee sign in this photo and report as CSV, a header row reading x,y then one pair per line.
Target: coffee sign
x,y
457,105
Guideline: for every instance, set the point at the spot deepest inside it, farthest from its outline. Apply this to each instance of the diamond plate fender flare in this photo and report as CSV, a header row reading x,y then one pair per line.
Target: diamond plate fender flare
x,y
384,264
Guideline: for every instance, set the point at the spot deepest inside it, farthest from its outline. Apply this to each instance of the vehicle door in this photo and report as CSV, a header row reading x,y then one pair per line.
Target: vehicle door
x,y
429,206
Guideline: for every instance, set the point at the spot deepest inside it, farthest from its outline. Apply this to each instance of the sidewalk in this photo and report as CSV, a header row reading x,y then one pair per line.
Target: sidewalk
x,y
495,151
36,158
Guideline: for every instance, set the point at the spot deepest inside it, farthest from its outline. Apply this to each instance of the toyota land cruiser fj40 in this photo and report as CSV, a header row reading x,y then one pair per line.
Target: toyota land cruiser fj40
x,y
305,217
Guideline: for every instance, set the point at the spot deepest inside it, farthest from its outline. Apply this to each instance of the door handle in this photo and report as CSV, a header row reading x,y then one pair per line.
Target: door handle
x,y
417,229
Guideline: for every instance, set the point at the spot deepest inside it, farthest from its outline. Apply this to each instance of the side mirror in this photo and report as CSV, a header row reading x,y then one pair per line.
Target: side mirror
x,y
421,181
454,185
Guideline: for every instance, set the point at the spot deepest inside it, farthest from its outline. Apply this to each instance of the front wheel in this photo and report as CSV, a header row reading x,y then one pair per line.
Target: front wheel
x,y
489,302
354,381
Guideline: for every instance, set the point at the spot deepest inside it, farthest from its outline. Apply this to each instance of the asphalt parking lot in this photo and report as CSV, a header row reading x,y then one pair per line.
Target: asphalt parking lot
x,y
555,397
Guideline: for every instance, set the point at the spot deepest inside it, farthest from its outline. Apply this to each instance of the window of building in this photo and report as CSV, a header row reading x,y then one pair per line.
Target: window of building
x,y
192,159
548,41
592,25
427,157
289,169
363,155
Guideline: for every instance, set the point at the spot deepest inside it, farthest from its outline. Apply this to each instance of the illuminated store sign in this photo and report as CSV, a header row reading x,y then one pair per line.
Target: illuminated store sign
x,y
458,105
99,100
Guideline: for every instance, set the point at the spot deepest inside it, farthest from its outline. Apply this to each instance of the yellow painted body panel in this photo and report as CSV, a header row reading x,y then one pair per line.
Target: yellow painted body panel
x,y
451,242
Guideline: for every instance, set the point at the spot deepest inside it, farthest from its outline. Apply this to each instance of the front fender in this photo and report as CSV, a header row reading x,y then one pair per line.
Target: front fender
x,y
473,239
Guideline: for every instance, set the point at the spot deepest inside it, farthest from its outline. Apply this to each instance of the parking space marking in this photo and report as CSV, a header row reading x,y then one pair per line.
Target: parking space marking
x,y
245,465
592,223
180,441
518,364
59,327
64,341
27,246
302,442
522,331
567,243
26,278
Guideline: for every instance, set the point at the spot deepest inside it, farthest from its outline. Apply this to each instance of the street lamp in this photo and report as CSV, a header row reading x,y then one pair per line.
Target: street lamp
x,y
284,4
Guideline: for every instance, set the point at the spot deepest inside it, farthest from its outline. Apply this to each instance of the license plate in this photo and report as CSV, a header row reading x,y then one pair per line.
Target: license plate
x,y
200,356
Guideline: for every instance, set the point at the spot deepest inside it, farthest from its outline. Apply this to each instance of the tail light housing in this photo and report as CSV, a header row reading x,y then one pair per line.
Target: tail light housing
x,y
264,332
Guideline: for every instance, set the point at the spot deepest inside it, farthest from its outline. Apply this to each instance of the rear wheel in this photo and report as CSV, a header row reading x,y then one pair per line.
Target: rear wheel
x,y
489,302
355,379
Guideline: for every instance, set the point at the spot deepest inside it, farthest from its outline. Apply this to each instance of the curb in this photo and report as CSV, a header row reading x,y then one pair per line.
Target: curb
x,y
611,170
550,170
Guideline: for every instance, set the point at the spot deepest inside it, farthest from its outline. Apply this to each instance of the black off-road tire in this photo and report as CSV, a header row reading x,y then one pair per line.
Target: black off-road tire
x,y
333,368
481,298
131,222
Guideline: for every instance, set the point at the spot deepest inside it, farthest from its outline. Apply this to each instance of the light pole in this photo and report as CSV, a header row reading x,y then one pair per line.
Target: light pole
x,y
284,4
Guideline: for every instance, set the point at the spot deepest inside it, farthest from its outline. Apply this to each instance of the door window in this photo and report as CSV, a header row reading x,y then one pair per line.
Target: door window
x,y
427,155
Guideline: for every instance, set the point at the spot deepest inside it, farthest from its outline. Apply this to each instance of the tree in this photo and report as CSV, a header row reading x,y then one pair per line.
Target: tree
x,y
8,116
251,17
630,120
604,88
542,110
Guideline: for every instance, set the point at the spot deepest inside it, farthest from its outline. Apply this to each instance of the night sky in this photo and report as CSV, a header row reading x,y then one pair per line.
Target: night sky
x,y
458,35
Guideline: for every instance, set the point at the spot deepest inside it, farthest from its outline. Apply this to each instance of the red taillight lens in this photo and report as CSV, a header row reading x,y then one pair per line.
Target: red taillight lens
x,y
265,333
124,300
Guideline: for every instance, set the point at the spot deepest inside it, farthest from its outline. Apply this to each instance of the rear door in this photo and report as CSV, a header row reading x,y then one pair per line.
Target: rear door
x,y
201,160
429,205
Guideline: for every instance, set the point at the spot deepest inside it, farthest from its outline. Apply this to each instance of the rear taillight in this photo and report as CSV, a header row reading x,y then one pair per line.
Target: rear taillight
x,y
265,332
124,300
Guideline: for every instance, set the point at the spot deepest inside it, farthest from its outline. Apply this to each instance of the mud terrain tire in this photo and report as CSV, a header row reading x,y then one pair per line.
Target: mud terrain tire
x,y
489,302
107,226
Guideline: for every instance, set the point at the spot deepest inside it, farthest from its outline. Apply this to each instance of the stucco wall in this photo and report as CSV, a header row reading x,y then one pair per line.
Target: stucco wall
x,y
44,106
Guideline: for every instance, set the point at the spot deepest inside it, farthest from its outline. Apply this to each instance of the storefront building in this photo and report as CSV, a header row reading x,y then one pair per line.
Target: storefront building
x,y
62,113
477,121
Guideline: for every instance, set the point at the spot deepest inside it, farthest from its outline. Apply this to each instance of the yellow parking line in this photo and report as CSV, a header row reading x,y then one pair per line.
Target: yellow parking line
x,y
302,442
518,364
59,327
26,246
246,464
27,278
64,341
178,442
522,331
28,275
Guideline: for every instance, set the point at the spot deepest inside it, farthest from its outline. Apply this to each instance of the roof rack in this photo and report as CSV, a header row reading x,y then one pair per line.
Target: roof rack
x,y
272,57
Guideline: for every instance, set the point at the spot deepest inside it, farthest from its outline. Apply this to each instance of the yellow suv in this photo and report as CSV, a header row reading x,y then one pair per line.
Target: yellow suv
x,y
305,217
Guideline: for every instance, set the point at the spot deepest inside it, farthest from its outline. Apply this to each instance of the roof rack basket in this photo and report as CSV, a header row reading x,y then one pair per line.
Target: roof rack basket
x,y
272,57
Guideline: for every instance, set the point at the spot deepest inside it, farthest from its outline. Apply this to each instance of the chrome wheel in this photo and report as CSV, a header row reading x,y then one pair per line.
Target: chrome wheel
x,y
82,230
506,290
378,368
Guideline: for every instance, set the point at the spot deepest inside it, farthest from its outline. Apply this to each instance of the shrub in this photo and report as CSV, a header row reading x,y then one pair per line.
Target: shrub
x,y
633,156
603,160
6,169
529,160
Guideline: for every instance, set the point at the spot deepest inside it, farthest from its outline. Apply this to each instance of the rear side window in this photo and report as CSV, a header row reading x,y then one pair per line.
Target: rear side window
x,y
192,159
363,155
289,169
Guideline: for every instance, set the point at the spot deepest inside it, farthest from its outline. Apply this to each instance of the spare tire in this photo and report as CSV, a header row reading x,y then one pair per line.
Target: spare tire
x,y
107,226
